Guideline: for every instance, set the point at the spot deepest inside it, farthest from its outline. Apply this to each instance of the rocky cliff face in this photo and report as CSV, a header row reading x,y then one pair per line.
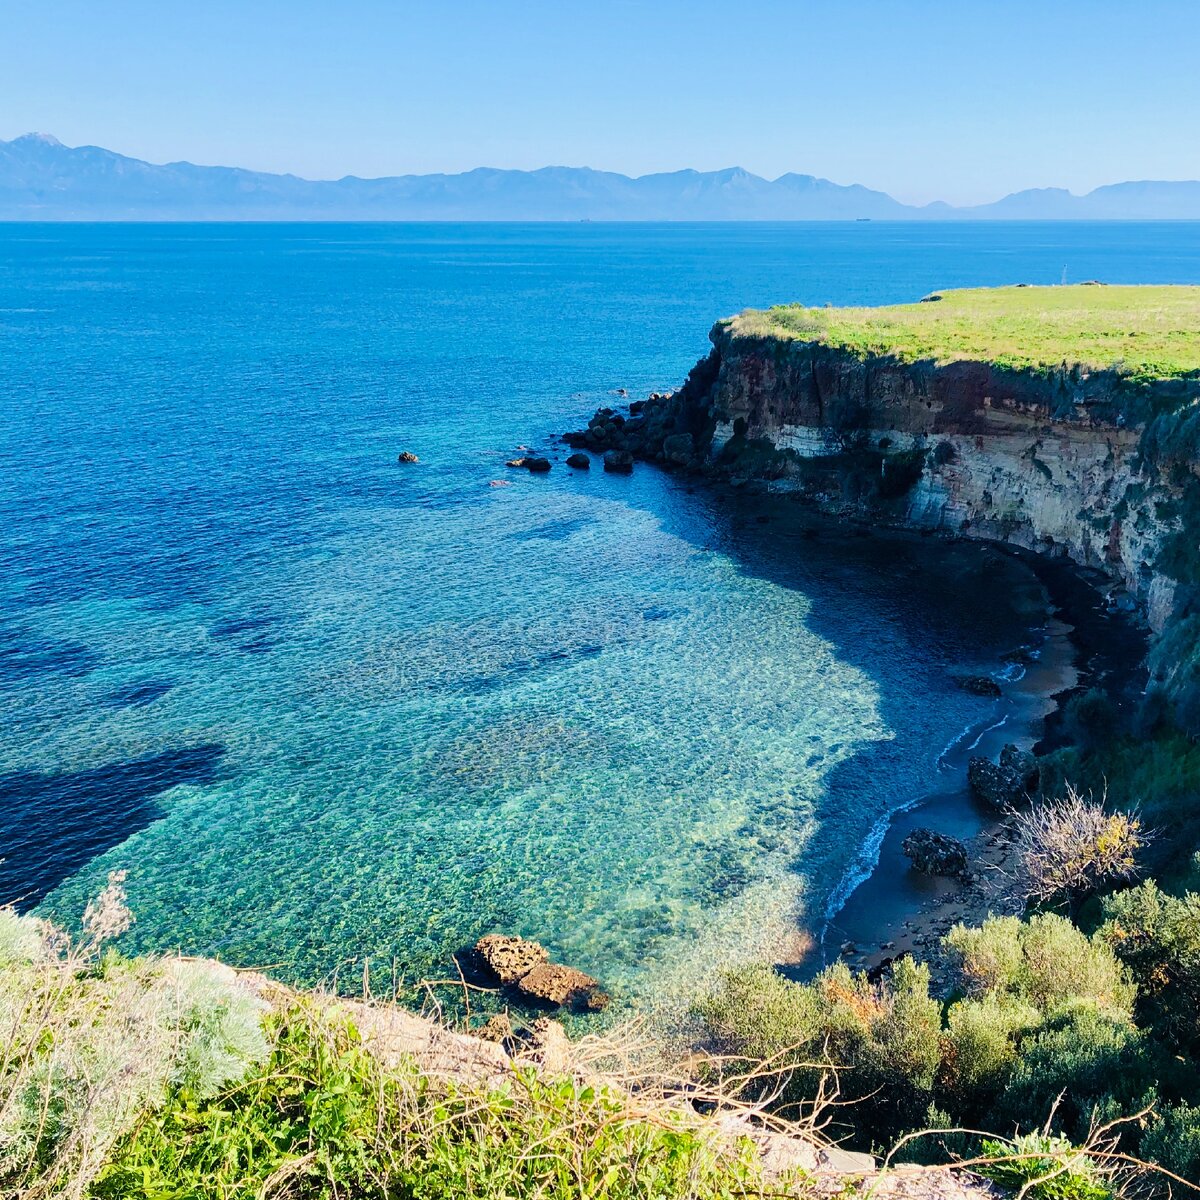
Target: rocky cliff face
x,y
1049,462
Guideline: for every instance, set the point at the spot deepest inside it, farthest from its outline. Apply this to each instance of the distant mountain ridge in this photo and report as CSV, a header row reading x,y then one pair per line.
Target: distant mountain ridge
x,y
41,179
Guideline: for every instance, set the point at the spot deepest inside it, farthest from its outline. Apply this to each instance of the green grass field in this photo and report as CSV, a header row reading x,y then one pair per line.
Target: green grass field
x,y
1148,333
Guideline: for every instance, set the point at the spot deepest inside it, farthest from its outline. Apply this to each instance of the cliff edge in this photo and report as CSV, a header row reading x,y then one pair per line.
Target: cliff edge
x,y
1063,419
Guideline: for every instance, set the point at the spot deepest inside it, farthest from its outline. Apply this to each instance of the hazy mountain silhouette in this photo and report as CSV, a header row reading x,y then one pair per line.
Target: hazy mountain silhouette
x,y
41,179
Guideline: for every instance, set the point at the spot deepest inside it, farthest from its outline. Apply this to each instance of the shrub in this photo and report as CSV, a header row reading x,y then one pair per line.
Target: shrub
x,y
1158,937
883,1040
899,472
325,1118
90,1040
1088,1062
1043,1167
1091,719
981,1048
1045,962
1070,847
1173,1140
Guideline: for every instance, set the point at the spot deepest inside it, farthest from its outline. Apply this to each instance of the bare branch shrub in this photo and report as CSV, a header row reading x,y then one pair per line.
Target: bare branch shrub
x,y
1071,846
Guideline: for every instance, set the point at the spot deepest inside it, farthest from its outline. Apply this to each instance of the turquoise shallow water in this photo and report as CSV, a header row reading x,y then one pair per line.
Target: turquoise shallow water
x,y
322,706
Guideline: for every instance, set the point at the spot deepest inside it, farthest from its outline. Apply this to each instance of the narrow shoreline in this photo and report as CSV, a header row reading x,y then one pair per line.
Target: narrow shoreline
x,y
894,911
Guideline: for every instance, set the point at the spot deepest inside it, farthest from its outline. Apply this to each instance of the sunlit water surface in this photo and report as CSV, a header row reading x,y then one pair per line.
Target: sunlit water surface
x,y
323,706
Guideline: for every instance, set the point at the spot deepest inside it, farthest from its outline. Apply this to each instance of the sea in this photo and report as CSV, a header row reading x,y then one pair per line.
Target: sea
x,y
334,713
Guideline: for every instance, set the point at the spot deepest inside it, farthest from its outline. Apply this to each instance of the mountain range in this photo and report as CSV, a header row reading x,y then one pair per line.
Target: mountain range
x,y
43,180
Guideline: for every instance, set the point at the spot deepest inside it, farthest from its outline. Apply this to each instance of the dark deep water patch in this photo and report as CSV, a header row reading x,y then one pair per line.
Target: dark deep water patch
x,y
136,695
24,656
51,825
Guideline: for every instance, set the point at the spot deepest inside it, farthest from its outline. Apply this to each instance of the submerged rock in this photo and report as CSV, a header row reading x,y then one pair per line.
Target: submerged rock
x,y
509,957
618,461
979,685
934,853
580,462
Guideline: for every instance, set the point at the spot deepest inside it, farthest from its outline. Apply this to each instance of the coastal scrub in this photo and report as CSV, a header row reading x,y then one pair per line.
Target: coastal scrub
x,y
1146,333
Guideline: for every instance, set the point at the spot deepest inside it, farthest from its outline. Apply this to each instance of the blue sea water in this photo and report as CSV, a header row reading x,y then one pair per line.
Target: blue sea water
x,y
323,706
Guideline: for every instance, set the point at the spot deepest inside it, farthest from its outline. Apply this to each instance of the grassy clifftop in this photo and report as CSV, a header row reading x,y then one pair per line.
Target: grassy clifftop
x,y
1148,333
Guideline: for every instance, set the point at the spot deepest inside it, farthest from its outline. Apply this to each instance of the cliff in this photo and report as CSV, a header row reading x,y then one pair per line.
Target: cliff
x,y
1063,420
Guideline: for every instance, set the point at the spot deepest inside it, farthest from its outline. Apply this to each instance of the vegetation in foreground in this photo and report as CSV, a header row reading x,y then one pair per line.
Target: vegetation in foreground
x,y
165,1078
1045,1025
1145,333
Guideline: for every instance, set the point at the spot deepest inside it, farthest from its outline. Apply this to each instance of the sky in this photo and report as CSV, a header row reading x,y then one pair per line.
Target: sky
x,y
959,100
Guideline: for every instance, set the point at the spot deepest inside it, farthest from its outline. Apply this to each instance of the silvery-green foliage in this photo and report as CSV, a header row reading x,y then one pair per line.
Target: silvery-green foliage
x,y
21,939
219,1023
89,1040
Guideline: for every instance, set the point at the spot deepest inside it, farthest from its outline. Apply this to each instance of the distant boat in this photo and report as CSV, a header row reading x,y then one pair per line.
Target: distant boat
x,y
862,218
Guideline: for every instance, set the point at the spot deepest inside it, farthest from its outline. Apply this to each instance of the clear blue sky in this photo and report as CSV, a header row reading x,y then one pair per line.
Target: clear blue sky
x,y
962,100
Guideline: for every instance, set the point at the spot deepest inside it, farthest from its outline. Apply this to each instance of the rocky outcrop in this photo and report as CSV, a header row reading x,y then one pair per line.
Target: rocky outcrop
x,y
979,685
531,462
1005,784
558,985
934,853
1068,463
525,965
509,957
1049,462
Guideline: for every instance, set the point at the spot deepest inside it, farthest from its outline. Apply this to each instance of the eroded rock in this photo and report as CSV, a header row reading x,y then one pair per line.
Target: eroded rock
x,y
979,685
509,957
619,462
407,456
934,853
552,983
580,462
1007,783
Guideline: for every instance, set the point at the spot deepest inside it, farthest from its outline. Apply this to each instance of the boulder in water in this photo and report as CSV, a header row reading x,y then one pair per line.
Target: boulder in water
x,y
580,462
552,983
619,462
509,957
407,456
934,853
979,685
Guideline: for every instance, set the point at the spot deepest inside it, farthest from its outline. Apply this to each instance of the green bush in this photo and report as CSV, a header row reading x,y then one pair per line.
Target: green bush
x,y
883,1041
1091,719
1158,937
324,1118
1173,1140
1043,1167
89,1040
981,1049
1045,962
1090,1063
